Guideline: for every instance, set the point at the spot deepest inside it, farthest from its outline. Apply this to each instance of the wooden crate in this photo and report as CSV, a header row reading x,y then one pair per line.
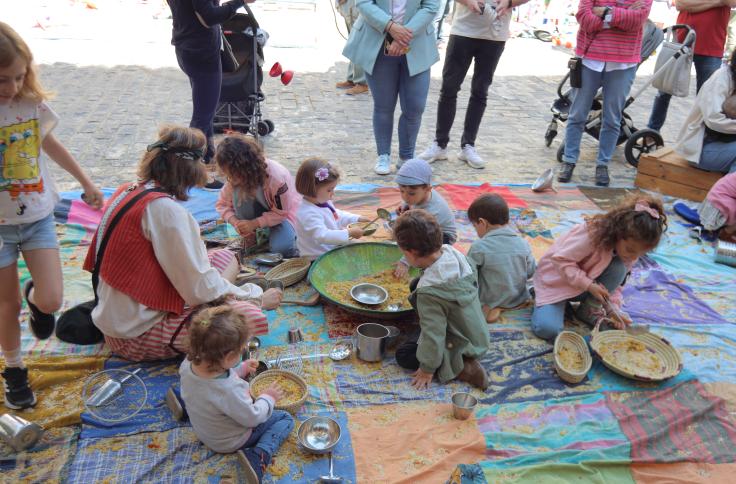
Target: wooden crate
x,y
667,172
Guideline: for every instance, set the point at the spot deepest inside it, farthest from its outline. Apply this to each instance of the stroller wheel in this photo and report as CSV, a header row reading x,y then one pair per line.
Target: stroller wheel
x,y
543,35
270,124
263,128
643,141
561,151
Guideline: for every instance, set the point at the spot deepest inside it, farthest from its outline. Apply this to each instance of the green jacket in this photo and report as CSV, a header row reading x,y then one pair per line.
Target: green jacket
x,y
452,326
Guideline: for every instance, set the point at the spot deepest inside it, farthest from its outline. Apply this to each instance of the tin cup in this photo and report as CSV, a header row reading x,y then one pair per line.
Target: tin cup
x,y
463,405
295,335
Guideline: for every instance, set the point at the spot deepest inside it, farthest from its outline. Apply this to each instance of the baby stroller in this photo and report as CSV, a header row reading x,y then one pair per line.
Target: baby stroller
x,y
638,141
239,108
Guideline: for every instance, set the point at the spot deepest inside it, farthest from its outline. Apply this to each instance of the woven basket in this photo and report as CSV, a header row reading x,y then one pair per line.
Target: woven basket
x,y
294,407
289,272
575,343
671,363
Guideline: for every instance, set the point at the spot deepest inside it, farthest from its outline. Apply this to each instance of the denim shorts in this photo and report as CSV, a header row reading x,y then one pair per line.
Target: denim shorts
x,y
22,237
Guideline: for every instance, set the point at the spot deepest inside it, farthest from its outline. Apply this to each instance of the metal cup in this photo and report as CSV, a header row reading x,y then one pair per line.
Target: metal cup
x,y
725,253
18,433
463,404
295,335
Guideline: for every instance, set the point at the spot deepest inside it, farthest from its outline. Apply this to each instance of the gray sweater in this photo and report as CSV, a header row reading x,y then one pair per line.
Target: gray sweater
x,y
437,206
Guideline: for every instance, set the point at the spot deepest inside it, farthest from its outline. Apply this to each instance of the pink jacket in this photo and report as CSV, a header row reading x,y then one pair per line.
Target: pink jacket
x,y
279,191
621,42
723,196
570,266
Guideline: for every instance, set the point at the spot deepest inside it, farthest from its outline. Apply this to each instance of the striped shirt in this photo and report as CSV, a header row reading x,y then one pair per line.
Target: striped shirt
x,y
621,42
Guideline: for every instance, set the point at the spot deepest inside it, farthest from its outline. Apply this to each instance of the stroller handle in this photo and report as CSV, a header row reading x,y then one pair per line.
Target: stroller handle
x,y
689,35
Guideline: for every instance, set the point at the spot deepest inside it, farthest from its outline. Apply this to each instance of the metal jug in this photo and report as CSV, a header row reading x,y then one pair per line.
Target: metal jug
x,y
371,340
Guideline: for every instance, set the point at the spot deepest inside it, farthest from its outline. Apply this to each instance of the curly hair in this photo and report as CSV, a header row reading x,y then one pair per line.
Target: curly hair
x,y
626,222
307,181
418,231
12,46
242,159
214,332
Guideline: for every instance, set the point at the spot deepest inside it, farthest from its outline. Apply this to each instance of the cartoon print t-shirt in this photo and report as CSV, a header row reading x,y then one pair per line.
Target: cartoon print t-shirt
x,y
27,192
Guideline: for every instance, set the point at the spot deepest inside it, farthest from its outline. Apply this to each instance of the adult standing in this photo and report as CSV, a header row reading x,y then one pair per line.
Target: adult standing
x,y
478,35
609,42
394,42
709,19
355,82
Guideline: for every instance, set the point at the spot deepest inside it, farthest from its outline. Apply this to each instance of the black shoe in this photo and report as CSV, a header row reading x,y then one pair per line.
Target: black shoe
x,y
254,462
176,404
214,185
42,324
565,174
18,393
601,176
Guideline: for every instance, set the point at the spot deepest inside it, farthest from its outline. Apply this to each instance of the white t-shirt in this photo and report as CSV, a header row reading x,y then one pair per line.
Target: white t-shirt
x,y
467,23
398,9
27,191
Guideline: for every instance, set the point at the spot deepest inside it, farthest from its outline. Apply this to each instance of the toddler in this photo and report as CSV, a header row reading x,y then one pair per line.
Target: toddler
x,y
27,199
320,226
729,107
222,411
504,259
718,210
590,263
453,333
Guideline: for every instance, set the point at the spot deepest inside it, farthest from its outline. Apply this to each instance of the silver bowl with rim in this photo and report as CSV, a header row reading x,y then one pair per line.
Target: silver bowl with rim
x,y
366,293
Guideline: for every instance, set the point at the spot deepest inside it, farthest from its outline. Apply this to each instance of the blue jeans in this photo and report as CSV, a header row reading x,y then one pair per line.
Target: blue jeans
x,y
549,320
718,156
281,237
391,80
616,86
704,67
269,435
40,234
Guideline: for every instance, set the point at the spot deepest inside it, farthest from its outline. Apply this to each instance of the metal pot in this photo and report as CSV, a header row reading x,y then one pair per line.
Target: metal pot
x,y
19,433
371,340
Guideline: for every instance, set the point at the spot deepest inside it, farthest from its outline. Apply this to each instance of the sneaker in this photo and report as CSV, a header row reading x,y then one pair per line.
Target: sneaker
x,y
345,84
18,393
473,373
601,176
254,462
565,173
357,89
214,185
471,157
434,153
589,312
176,404
42,324
383,165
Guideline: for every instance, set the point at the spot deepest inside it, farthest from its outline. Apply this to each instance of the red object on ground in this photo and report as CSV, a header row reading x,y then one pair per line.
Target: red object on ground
x,y
275,70
286,77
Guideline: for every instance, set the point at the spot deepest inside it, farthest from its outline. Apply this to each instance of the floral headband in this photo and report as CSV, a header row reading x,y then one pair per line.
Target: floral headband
x,y
182,152
204,323
322,173
644,207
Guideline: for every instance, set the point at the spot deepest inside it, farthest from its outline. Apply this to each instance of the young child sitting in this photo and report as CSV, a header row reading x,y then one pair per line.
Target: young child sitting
x,y
218,401
453,331
504,259
320,226
718,210
729,107
590,264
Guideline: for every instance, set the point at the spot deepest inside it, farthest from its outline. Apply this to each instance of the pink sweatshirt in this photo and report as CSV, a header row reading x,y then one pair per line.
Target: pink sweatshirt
x,y
621,42
723,196
280,192
570,266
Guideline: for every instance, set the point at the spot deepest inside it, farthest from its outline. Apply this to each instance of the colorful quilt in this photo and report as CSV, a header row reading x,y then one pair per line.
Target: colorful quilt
x,y
529,426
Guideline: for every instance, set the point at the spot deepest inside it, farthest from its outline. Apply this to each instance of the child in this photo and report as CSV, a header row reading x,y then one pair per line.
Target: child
x,y
729,107
590,263
718,210
259,193
415,184
27,199
504,259
218,401
320,226
453,331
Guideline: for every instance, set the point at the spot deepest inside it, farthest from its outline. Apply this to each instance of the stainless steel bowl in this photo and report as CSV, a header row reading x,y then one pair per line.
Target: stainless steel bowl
x,y
319,435
369,230
366,293
545,181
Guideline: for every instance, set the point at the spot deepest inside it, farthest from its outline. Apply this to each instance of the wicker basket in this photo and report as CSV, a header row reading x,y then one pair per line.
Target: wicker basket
x,y
575,343
671,363
289,272
294,407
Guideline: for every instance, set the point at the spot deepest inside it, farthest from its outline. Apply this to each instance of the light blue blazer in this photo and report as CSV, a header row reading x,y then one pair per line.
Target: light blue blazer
x,y
367,36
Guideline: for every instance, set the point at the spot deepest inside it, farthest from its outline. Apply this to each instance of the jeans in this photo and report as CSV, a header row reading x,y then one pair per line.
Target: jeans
x,y
549,320
269,435
205,78
704,67
718,156
461,51
391,80
281,237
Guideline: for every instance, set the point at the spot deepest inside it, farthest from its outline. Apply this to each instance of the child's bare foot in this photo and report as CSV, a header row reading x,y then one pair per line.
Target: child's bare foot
x,y
491,315
473,373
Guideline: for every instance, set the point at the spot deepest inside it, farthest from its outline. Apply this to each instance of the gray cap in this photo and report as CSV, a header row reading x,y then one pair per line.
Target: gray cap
x,y
414,172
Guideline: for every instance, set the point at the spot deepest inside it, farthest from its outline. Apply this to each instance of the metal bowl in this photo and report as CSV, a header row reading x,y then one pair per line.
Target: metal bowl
x,y
545,181
369,230
269,258
319,435
370,294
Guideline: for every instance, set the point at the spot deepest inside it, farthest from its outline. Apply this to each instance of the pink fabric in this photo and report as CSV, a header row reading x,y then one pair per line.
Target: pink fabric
x,y
723,196
619,43
570,266
278,178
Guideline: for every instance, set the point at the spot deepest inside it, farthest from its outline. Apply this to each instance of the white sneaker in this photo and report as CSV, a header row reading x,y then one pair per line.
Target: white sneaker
x,y
383,165
434,153
471,157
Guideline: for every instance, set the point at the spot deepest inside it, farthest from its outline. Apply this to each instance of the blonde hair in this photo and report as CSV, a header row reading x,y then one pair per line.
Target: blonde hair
x,y
12,46
214,332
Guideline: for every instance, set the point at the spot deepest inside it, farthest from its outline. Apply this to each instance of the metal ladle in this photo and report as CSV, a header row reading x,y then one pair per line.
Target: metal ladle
x,y
381,213
338,352
331,478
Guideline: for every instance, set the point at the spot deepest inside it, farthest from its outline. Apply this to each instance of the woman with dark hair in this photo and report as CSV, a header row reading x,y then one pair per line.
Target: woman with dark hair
x,y
259,194
708,137
155,270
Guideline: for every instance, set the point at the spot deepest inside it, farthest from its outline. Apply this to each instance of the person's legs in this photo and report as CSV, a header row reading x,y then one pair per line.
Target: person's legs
x,y
269,435
548,320
659,110
384,84
486,56
705,66
458,57
611,278
282,239
616,87
413,92
582,101
718,156
406,355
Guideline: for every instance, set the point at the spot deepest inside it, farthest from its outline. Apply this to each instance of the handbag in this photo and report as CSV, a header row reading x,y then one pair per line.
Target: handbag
x,y
75,325
575,64
672,70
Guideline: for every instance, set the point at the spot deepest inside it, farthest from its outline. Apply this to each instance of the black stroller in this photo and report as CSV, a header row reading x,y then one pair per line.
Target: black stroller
x,y
239,108
638,141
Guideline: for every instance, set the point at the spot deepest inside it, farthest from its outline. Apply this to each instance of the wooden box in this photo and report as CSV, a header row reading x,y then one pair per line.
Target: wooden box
x,y
667,172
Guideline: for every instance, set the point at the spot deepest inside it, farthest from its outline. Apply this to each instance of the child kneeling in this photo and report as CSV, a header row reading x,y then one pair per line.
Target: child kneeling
x,y
222,411
453,330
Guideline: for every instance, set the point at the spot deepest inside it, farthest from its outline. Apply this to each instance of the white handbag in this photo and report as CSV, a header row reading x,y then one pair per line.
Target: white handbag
x,y
673,75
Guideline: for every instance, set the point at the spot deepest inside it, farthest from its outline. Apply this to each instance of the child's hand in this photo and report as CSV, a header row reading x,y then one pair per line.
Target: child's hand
x,y
93,197
400,270
625,319
402,209
599,292
421,379
274,392
245,227
363,219
249,366
271,298
355,232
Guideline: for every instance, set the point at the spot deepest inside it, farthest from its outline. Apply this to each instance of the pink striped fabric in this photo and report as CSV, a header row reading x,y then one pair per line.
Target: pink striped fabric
x,y
619,43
